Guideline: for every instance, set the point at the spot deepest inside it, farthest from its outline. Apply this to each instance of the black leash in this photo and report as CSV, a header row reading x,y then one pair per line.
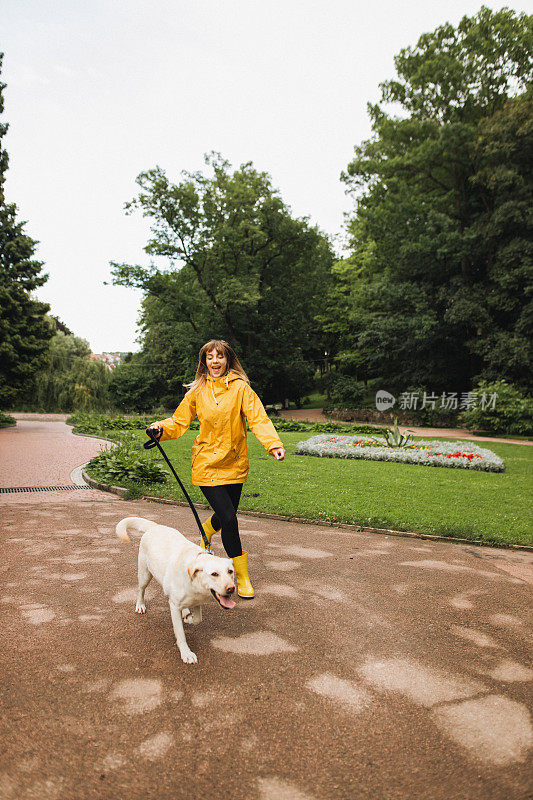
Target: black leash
x,y
154,442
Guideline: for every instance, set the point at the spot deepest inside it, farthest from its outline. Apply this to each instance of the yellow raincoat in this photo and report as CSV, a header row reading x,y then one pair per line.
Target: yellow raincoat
x,y
219,452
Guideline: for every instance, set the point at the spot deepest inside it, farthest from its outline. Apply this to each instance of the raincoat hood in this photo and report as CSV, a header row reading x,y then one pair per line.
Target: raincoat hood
x,y
226,379
223,382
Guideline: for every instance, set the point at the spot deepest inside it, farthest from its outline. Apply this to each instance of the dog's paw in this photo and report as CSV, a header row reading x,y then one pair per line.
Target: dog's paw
x,y
188,657
192,616
140,608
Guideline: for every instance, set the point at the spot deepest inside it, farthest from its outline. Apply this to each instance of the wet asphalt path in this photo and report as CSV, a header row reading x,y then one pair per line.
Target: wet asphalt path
x,y
367,666
41,451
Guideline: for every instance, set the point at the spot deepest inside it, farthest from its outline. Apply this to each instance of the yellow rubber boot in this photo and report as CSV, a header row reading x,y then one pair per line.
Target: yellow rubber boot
x,y
208,530
244,587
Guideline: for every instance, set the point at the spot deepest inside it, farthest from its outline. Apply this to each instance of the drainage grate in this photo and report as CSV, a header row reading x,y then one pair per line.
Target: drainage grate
x,y
42,489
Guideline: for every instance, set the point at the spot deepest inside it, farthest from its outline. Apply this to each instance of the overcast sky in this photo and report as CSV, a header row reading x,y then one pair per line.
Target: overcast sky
x,y
100,90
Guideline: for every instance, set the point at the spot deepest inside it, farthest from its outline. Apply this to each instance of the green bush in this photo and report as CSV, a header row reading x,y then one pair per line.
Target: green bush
x,y
100,424
6,420
345,391
127,462
322,427
512,412
108,423
84,422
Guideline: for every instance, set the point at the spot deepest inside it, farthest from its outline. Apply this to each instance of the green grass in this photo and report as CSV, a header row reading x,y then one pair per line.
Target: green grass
x,y
314,400
492,507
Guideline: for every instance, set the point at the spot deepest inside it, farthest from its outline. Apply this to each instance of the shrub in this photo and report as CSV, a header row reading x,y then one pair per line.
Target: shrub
x,y
126,463
84,422
322,427
345,391
103,425
6,420
106,423
512,412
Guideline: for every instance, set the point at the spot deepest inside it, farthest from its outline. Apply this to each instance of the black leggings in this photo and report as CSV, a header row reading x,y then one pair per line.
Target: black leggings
x,y
224,500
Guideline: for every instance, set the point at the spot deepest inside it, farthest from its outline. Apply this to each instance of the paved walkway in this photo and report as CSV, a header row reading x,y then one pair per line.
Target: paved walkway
x,y
42,451
316,415
367,667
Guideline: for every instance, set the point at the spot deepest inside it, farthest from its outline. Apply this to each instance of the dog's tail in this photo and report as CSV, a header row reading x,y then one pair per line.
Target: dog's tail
x,y
137,524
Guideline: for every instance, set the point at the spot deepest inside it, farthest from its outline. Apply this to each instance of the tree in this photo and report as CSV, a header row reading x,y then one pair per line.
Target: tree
x,y
503,227
24,330
135,385
68,379
466,73
241,268
438,226
60,326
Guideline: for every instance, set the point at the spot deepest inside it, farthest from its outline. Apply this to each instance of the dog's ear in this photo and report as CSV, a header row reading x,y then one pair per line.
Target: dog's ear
x,y
194,569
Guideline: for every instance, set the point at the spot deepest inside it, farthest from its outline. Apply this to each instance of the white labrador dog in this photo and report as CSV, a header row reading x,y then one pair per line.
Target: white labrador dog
x,y
188,575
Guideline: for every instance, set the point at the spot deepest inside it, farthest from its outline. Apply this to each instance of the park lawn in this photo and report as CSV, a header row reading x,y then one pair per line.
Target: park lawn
x,y
469,504
314,400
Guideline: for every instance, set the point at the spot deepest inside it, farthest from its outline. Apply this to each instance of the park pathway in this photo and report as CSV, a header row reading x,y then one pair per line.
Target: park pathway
x,y
42,452
368,667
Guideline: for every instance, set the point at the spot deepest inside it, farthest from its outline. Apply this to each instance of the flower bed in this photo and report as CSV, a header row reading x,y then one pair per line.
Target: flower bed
x,y
462,455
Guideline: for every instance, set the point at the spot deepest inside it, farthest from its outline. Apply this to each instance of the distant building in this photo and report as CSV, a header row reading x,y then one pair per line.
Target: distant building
x,y
110,360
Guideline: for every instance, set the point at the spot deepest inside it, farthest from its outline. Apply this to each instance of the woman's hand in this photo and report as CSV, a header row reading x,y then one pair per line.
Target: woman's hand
x,y
278,453
157,429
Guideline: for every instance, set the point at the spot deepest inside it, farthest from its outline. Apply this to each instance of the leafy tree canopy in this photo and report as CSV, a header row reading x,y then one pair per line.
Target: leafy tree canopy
x,y
464,73
240,268
437,289
68,379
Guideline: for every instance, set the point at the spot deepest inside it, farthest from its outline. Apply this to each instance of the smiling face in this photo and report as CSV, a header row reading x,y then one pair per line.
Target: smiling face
x,y
216,363
216,576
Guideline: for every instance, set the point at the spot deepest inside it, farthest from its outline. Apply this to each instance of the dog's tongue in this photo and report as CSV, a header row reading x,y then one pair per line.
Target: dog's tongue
x,y
227,602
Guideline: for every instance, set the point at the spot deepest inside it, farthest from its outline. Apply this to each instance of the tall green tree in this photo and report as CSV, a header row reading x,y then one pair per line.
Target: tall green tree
x,y
241,268
503,230
137,385
68,379
24,330
436,291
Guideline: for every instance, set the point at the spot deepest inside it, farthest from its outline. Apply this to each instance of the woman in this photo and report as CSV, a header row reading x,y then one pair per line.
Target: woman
x,y
222,399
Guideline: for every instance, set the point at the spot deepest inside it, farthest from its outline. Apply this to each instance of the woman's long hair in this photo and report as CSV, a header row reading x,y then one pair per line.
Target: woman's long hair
x,y
223,349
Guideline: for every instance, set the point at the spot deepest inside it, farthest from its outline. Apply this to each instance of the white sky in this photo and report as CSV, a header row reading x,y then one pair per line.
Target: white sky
x,y
100,90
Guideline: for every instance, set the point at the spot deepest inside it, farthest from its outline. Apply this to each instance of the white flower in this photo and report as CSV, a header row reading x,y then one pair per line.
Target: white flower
x,y
451,454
